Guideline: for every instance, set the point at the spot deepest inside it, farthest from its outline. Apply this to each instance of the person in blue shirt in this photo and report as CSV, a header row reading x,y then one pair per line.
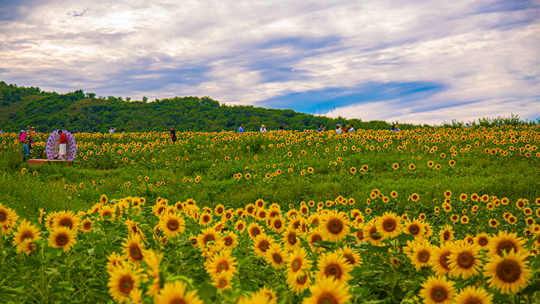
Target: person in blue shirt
x,y
241,128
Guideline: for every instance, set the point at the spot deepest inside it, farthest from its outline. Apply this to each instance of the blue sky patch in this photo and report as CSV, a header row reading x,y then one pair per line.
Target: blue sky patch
x,y
325,100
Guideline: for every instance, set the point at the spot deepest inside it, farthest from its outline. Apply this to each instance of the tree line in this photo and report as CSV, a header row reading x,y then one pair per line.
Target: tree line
x,y
84,112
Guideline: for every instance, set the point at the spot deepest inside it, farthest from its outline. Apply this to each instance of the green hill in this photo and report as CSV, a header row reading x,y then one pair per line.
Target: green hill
x,y
80,111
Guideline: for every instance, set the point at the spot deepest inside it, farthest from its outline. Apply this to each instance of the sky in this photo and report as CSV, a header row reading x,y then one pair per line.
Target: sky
x,y
395,60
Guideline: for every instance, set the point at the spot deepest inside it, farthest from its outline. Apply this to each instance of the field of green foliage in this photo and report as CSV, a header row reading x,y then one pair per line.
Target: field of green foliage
x,y
432,215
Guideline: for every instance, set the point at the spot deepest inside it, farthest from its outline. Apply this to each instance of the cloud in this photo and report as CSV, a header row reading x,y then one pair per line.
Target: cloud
x,y
344,57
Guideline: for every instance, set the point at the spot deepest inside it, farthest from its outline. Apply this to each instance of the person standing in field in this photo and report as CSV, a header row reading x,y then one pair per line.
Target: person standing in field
x,y
263,129
62,145
173,135
241,128
351,129
338,129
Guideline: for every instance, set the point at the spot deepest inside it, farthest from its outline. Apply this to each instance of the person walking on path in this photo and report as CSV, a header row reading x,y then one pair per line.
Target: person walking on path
x,y
62,141
173,135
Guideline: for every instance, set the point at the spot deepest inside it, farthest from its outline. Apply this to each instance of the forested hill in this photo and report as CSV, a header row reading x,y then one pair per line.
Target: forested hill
x,y
80,111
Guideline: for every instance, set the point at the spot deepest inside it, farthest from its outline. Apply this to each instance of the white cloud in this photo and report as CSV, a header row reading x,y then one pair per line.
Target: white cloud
x,y
489,57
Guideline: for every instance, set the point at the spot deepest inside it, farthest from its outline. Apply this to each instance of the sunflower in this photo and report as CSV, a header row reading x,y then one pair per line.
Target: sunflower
x,y
25,231
115,260
482,240
389,224
221,262
62,237
66,219
415,228
297,260
299,281
27,247
230,240
223,281
290,238
508,273
207,236
464,260
87,225
505,241
437,290
334,226
275,255
133,248
446,234
122,282
240,226
254,230
314,238
439,261
327,290
261,244
277,224
371,233
334,265
421,253
352,257
205,219
473,295
108,212
172,225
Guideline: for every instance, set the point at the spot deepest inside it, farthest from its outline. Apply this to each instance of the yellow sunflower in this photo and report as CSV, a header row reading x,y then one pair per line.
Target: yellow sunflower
x,y
421,253
122,282
389,225
334,226
437,290
299,281
220,262
439,261
334,265
207,236
446,234
254,230
327,290
62,237
275,256
473,295
66,219
87,225
172,225
505,241
371,234
414,228
297,261
134,248
229,241
290,238
508,273
25,231
482,240
351,256
464,261
223,281
261,244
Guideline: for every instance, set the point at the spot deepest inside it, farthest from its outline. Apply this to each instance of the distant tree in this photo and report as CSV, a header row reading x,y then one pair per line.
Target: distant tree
x,y
145,99
91,95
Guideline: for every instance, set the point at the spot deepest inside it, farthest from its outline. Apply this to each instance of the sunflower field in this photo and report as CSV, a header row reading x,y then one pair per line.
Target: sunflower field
x,y
430,215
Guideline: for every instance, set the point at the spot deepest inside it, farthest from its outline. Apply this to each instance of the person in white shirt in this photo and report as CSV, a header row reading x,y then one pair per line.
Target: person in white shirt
x,y
339,130
263,129
351,129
